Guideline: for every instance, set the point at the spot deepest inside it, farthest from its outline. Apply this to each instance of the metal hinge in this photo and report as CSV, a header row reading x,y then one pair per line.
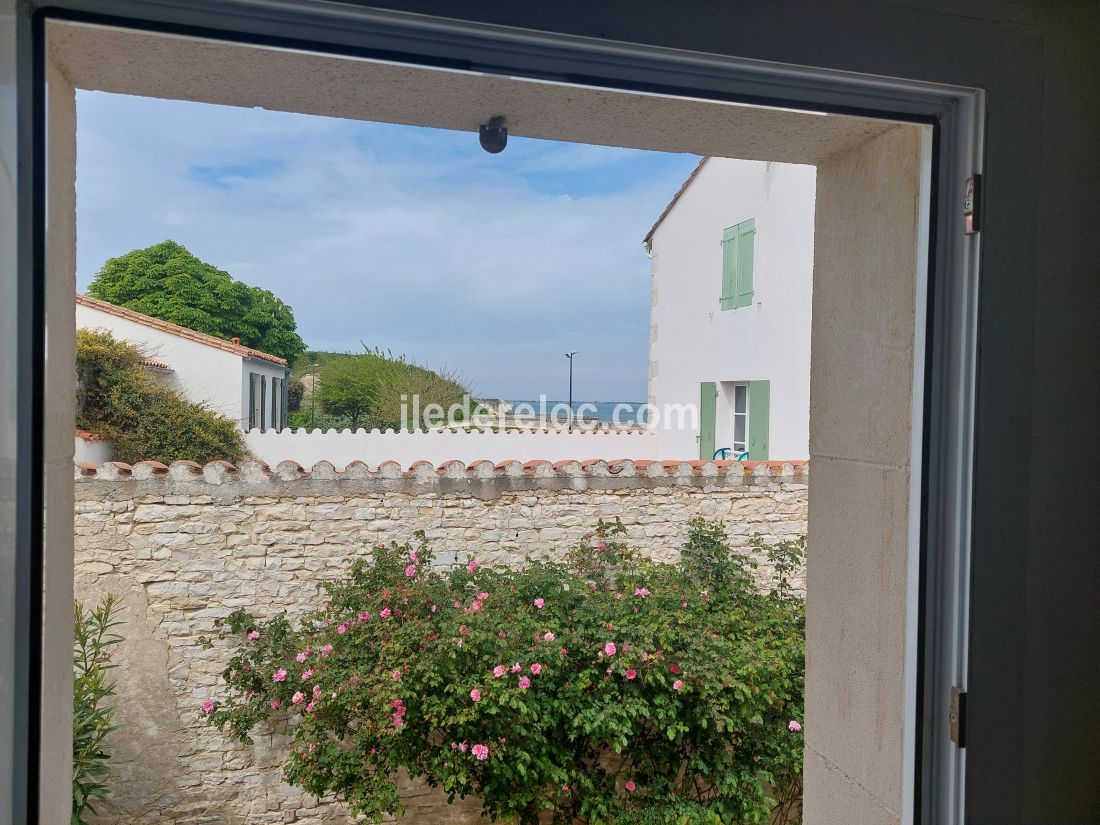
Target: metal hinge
x,y
957,716
972,205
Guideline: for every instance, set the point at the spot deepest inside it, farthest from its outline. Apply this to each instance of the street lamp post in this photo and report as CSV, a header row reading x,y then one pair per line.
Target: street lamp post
x,y
570,355
313,397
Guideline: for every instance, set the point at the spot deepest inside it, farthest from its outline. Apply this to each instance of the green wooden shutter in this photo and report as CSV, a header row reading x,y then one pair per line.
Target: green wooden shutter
x,y
729,267
251,401
708,402
263,403
746,242
760,393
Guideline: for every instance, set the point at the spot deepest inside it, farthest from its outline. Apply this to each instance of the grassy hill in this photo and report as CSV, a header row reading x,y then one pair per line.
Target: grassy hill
x,y
365,390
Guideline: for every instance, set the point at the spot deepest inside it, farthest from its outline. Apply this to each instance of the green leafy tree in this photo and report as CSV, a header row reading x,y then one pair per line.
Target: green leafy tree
x,y
347,386
93,641
168,282
117,398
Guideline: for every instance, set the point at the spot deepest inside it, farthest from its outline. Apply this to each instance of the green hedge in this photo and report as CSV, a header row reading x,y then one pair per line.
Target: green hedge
x,y
119,399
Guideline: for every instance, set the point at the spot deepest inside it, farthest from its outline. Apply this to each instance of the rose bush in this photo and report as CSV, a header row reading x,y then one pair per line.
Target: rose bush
x,y
603,689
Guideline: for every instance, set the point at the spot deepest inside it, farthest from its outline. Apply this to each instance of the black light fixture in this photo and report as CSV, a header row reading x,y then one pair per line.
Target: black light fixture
x,y
494,135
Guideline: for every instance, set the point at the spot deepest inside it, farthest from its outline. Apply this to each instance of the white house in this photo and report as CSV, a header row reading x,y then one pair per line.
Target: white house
x,y
732,273
231,379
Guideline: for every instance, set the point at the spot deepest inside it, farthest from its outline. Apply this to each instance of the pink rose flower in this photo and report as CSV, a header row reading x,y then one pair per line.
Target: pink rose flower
x,y
398,720
413,555
678,684
310,707
342,629
458,605
308,672
472,566
499,671
794,726
462,746
674,668
475,694
564,652
396,674
536,668
642,592
410,571
475,606
385,613
549,637
326,650
364,616
483,596
301,657
631,673
279,675
298,697
254,635
630,786
275,704
516,668
539,602
609,649
207,705
524,682
481,752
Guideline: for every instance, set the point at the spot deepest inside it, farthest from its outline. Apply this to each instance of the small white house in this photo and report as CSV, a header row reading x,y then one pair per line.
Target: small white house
x,y
231,379
732,275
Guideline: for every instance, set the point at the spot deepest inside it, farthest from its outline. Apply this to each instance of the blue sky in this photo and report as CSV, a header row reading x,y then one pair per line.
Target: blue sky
x,y
406,238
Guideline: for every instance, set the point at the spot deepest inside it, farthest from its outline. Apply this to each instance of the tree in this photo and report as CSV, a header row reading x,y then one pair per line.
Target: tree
x,y
347,386
168,282
377,389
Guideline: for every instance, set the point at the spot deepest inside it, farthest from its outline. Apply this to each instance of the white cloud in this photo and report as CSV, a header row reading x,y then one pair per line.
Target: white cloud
x,y
402,238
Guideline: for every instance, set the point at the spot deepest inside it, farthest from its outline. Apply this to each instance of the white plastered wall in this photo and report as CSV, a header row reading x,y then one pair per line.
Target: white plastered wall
x,y
861,451
205,375
861,357
60,410
692,339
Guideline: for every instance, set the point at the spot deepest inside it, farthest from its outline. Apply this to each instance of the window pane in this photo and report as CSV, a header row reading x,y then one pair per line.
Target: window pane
x,y
740,398
739,429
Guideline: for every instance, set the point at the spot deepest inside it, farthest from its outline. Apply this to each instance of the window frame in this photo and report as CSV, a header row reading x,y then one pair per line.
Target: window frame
x,y
943,461
743,414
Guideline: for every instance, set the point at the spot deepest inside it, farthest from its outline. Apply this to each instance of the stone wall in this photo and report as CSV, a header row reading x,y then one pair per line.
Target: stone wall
x,y
185,545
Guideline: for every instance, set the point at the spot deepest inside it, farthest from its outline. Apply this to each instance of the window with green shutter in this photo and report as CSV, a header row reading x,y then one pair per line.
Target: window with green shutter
x,y
738,247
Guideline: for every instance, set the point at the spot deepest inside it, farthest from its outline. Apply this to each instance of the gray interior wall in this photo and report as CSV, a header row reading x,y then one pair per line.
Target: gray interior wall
x,y
13,679
1035,627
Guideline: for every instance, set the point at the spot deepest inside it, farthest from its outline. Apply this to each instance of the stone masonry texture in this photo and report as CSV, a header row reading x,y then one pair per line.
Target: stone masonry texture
x,y
186,545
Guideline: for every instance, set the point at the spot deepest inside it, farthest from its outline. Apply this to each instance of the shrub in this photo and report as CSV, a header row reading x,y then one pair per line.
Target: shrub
x,y
116,397
92,647
603,689
375,389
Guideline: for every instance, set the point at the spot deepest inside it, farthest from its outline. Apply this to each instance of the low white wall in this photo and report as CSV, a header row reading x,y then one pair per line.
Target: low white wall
x,y
373,447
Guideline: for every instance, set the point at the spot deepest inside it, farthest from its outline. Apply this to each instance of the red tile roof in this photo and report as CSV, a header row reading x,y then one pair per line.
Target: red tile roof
x,y
672,203
90,436
175,329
